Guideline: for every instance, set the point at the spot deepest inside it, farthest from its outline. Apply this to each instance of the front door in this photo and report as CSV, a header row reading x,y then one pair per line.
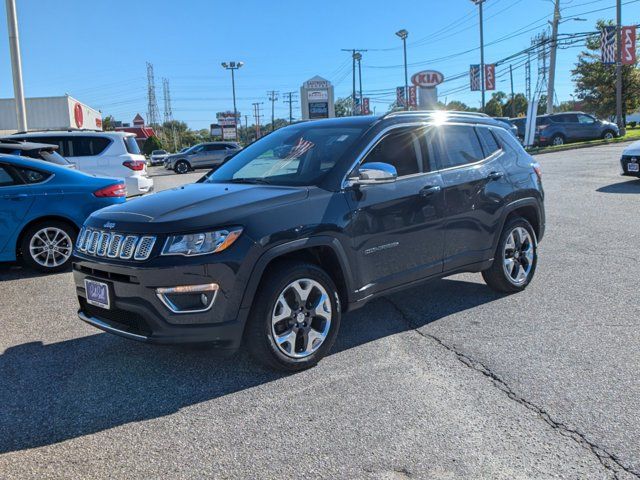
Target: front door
x,y
14,206
396,228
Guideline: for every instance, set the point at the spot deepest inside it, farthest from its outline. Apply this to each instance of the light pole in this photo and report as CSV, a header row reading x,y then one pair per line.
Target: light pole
x,y
403,34
482,86
233,66
16,65
358,57
619,116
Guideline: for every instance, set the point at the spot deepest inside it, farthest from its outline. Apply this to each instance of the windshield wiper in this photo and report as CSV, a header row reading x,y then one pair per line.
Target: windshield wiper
x,y
259,181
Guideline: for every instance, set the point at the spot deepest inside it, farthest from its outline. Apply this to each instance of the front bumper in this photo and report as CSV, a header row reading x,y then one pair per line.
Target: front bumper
x,y
624,164
137,313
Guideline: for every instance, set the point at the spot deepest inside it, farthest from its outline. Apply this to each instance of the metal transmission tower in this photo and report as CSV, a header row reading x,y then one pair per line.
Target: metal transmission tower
x,y
288,98
257,116
273,96
153,115
528,76
168,113
541,42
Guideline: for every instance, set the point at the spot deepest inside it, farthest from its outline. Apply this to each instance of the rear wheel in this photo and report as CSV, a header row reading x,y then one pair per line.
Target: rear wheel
x,y
295,318
557,140
516,257
48,246
182,167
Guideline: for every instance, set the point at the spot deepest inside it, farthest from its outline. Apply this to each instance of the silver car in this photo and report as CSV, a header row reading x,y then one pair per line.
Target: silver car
x,y
203,155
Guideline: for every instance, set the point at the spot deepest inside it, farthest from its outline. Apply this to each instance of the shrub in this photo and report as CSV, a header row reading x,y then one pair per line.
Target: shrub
x,y
151,144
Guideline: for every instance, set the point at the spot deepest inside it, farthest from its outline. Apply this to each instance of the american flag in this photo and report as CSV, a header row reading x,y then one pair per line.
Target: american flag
x,y
608,45
474,77
300,148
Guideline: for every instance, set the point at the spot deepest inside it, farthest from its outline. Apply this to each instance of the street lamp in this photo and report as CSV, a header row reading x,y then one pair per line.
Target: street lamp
x,y
233,66
403,34
482,86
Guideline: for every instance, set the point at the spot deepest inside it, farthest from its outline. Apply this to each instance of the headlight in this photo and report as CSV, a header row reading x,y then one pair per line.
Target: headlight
x,y
201,243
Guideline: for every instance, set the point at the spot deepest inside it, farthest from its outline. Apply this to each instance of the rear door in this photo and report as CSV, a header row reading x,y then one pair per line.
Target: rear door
x,y
15,203
396,228
474,186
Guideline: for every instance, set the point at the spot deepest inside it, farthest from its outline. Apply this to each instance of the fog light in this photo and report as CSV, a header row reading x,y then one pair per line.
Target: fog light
x,y
188,298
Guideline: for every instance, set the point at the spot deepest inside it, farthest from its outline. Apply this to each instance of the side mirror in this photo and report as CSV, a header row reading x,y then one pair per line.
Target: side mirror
x,y
374,173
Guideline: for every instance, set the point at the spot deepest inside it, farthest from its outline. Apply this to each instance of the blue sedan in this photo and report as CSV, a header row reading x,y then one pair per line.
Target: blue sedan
x,y
42,207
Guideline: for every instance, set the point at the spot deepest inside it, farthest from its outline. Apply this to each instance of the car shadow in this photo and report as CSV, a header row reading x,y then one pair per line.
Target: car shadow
x,y
54,392
628,186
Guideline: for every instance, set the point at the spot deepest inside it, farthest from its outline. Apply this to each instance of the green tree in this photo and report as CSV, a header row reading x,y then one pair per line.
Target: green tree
x,y
596,82
493,108
152,143
108,123
520,103
456,105
343,107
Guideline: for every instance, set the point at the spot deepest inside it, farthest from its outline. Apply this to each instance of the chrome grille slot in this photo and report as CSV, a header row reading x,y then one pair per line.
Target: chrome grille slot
x,y
103,243
143,250
114,246
128,247
82,236
93,242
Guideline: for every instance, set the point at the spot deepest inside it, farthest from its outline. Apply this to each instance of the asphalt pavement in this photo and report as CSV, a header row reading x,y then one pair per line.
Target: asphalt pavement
x,y
447,380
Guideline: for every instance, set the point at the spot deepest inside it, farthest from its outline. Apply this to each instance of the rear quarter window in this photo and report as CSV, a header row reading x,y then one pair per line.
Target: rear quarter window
x,y
131,145
488,141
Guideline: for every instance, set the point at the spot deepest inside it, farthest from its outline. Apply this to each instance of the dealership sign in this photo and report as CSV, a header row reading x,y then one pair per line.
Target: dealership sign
x,y
427,79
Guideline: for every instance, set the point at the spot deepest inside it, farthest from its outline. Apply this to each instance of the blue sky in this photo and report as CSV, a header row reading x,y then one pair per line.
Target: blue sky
x,y
96,50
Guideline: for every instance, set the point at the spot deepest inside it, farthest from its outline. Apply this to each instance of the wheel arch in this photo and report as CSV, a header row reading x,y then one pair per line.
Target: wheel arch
x,y
529,209
42,219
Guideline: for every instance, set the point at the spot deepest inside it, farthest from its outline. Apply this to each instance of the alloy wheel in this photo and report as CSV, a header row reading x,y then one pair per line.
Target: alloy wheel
x,y
50,247
608,136
558,140
518,255
182,167
301,318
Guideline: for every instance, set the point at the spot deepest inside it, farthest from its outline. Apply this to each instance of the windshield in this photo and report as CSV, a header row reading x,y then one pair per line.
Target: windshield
x,y
296,155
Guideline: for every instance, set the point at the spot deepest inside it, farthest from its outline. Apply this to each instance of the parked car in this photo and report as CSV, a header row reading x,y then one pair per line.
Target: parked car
x,y
630,161
112,154
203,155
42,207
274,248
157,157
521,124
561,128
39,151
511,127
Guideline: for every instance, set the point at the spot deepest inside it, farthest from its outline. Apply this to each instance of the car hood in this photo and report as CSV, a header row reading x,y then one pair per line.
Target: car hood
x,y
633,149
195,206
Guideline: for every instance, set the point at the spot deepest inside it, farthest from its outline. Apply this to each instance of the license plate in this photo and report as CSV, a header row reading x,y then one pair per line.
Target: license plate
x,y
633,167
97,293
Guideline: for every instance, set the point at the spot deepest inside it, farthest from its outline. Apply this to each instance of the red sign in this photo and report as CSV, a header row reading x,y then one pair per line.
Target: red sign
x,y
99,123
413,97
628,54
427,78
77,115
365,106
490,77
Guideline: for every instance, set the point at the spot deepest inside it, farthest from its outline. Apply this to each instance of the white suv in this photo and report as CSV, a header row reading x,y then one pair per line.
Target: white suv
x,y
111,154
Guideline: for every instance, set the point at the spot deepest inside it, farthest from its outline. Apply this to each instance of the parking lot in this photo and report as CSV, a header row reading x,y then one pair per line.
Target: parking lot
x,y
446,380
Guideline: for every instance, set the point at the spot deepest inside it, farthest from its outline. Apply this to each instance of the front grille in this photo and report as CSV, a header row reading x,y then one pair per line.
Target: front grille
x,y
101,243
119,319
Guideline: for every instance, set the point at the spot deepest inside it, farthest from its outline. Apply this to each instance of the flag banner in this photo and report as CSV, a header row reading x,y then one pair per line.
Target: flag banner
x,y
474,77
365,106
413,97
400,96
608,45
490,76
628,56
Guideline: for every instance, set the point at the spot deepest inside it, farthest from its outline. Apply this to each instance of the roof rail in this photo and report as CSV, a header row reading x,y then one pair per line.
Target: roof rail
x,y
432,112
37,130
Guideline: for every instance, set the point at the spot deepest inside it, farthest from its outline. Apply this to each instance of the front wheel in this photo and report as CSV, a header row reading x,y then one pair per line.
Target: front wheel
x,y
295,318
608,135
516,257
181,167
48,246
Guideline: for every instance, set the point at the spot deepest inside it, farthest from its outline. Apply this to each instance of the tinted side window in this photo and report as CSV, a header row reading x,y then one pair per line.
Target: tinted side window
x,y
32,176
399,149
131,145
214,148
88,146
461,146
488,141
5,178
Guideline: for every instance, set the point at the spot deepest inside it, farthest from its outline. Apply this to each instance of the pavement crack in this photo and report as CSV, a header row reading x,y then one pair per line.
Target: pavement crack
x,y
607,459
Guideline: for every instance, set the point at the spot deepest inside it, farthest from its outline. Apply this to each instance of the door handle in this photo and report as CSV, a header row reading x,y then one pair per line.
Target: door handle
x,y
16,196
495,175
429,190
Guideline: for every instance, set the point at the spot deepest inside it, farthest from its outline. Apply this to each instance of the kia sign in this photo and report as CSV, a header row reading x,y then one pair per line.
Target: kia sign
x,y
427,79
77,115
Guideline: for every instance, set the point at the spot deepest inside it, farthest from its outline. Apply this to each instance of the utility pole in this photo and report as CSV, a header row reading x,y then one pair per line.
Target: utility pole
x,y
16,65
482,86
353,51
552,61
619,117
233,66
290,100
273,96
256,114
246,129
513,95
403,34
359,60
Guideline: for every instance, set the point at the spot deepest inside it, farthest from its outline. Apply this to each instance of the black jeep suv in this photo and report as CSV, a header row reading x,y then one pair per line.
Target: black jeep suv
x,y
308,223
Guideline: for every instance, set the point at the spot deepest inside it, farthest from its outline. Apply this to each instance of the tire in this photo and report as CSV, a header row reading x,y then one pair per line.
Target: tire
x,y
608,135
181,167
557,139
507,277
48,246
274,314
